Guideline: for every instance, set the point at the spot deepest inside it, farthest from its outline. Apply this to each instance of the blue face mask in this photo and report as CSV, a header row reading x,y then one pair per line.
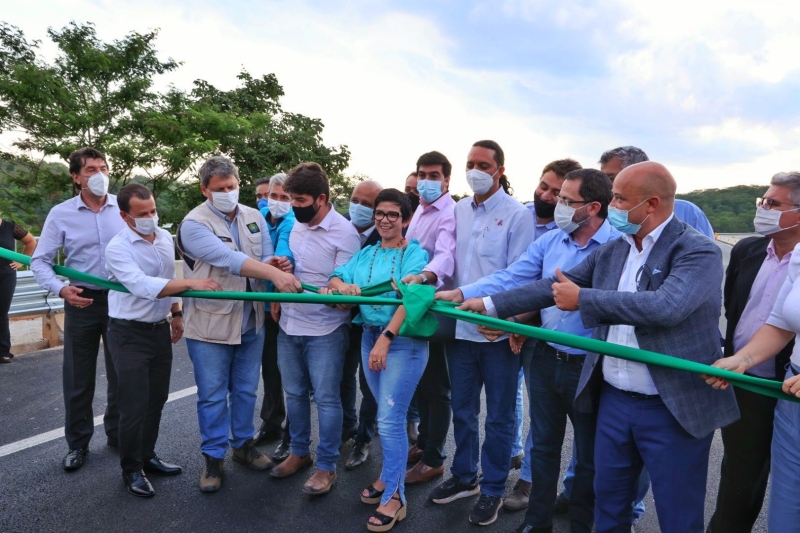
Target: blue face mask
x,y
619,219
262,203
360,215
429,190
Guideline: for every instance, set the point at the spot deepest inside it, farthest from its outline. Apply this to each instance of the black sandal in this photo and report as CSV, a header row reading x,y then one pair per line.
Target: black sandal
x,y
374,496
387,522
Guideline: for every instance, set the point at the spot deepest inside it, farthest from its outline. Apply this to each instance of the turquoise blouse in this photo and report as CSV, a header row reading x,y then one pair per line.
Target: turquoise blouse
x,y
374,264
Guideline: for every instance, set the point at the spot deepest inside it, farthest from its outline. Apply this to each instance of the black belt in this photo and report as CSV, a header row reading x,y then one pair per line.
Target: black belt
x,y
373,328
637,395
561,355
87,290
140,325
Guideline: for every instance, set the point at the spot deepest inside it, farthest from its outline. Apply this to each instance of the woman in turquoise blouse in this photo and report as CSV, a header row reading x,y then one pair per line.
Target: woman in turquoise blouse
x,y
393,365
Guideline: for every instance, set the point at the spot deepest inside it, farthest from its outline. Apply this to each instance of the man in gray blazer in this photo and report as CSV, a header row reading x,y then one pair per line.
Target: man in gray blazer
x,y
658,288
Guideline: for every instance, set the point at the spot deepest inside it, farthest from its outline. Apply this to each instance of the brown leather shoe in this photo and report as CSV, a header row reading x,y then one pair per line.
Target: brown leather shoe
x,y
414,454
518,499
291,465
249,455
320,483
420,473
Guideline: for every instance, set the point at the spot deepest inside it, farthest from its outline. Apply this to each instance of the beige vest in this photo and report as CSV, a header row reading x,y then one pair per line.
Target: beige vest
x,y
220,321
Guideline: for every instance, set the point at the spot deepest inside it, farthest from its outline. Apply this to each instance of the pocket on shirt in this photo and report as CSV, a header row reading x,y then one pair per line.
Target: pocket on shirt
x,y
256,245
215,307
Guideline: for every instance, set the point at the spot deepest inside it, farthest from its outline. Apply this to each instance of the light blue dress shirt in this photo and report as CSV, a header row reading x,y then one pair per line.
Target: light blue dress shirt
x,y
380,263
539,229
489,237
200,242
555,249
694,216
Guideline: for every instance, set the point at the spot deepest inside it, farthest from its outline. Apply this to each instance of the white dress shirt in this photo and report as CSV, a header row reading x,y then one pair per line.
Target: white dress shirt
x,y
318,251
144,269
364,235
84,235
619,373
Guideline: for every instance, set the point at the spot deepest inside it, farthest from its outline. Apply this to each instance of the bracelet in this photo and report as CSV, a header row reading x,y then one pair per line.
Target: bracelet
x,y
515,319
176,314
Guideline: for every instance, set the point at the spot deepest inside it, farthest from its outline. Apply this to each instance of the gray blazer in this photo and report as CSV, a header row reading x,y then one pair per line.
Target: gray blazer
x,y
675,312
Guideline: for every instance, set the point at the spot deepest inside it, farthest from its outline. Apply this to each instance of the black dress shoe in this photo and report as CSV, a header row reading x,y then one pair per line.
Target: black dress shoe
x,y
282,452
112,443
159,468
74,459
266,433
358,455
138,485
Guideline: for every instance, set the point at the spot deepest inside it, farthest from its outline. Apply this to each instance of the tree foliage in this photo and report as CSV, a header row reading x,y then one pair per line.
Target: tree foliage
x,y
101,95
729,210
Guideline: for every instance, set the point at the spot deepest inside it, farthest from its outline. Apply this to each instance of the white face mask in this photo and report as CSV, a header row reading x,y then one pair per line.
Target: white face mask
x,y
145,225
768,221
279,209
563,217
479,181
225,202
98,184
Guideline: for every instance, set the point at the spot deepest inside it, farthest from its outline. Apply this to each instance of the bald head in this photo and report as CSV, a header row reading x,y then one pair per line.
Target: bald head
x,y
365,193
649,179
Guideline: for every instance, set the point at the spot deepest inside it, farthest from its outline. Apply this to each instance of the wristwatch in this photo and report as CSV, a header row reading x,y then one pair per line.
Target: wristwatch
x,y
388,334
425,279
176,314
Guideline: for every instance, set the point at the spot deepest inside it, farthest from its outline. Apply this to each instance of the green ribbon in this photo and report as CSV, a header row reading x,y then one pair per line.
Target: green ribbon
x,y
420,305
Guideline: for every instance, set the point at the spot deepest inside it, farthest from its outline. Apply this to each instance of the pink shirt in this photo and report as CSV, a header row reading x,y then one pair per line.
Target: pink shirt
x,y
434,226
763,295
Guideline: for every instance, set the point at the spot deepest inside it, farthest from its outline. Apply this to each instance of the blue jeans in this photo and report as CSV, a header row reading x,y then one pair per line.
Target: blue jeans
x,y
475,366
519,416
314,363
227,380
633,433
393,389
642,486
553,385
784,499
526,354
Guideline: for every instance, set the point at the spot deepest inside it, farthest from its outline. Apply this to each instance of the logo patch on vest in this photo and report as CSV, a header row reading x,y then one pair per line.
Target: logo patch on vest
x,y
253,227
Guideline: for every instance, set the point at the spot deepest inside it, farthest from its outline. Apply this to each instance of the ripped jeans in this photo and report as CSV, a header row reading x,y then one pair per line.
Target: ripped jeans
x,y
393,389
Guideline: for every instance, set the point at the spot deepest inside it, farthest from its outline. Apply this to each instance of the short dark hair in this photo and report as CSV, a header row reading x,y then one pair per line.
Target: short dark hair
x,y
627,155
308,178
500,159
132,190
435,158
262,181
561,167
595,187
396,197
219,166
77,159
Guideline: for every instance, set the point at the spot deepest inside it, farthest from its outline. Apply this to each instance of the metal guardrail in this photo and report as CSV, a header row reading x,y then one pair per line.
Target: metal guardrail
x,y
733,238
31,299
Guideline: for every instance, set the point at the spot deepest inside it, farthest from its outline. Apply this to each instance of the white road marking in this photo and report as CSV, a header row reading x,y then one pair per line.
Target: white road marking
x,y
36,440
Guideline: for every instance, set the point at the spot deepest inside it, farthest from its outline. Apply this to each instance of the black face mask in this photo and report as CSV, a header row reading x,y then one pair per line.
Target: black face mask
x,y
413,199
543,209
305,214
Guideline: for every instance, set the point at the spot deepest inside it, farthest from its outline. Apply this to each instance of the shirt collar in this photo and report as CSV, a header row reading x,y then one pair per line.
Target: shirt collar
x,y
133,236
651,238
601,236
438,204
325,223
111,201
492,201
550,225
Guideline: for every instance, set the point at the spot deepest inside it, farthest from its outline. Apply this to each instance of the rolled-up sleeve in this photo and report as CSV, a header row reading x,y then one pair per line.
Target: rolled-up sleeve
x,y
50,242
199,242
121,264
776,318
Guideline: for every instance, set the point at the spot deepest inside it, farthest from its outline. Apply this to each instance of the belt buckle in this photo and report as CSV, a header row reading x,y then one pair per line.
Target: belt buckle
x,y
561,355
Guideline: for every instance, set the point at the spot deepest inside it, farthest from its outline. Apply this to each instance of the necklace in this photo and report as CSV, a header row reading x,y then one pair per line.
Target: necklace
x,y
402,247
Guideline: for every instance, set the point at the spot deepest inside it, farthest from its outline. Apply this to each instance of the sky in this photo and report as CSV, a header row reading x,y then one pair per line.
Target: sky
x,y
710,89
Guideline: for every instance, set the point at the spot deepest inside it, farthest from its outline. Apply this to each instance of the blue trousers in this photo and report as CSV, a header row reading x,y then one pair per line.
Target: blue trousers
x,y
227,380
495,368
633,433
784,494
642,486
308,362
393,389
526,354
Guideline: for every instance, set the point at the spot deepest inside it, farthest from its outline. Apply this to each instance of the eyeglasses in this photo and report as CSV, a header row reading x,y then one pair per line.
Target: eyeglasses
x,y
568,203
769,203
391,215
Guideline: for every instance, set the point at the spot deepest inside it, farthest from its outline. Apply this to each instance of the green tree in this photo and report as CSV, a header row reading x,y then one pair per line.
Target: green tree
x,y
729,210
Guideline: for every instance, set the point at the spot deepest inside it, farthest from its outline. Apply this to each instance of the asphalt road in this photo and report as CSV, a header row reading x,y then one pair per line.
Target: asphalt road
x,y
36,494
